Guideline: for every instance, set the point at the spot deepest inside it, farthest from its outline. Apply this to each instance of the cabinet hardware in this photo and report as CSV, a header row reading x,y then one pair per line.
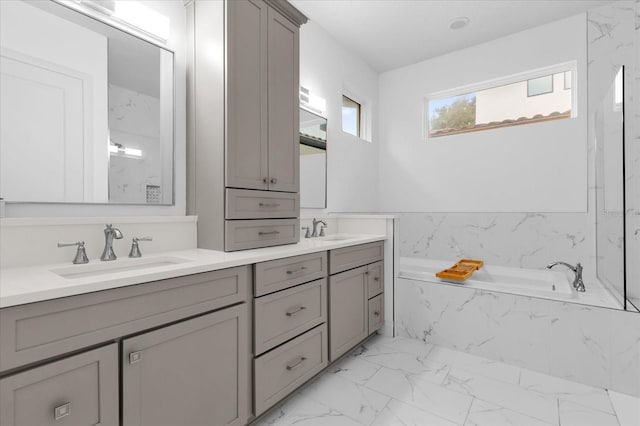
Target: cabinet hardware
x,y
62,411
269,205
295,311
265,180
296,364
295,271
274,180
268,233
376,278
134,357
376,313
366,272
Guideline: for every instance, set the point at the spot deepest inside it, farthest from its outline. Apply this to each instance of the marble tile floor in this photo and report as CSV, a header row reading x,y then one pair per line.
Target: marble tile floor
x,y
389,382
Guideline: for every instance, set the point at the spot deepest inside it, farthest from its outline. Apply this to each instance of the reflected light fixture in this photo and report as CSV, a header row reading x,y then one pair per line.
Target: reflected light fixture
x,y
312,101
133,14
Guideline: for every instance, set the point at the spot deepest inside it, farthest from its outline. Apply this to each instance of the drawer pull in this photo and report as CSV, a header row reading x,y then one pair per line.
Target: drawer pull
x,y
268,233
269,205
296,364
62,411
376,313
295,311
295,271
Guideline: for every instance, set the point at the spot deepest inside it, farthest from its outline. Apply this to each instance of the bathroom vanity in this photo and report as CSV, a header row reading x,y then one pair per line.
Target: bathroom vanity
x,y
208,338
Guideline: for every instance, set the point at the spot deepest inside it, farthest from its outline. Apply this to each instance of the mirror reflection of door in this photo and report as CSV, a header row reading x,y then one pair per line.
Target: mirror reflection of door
x,y
313,160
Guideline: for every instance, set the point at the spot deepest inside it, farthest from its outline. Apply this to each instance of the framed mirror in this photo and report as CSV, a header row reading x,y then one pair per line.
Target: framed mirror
x,y
313,160
87,110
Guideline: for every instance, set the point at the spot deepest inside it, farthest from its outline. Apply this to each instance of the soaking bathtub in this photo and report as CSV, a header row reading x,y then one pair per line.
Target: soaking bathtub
x,y
527,282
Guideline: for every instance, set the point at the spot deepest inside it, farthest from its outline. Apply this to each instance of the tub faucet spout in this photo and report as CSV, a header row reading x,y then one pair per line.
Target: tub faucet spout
x,y
578,284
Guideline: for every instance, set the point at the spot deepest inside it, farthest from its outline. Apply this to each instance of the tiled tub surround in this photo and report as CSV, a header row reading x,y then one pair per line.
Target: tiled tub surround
x,y
553,284
591,345
389,382
520,240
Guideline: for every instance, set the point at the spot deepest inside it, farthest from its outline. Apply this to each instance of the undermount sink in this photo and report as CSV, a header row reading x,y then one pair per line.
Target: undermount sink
x,y
124,265
338,237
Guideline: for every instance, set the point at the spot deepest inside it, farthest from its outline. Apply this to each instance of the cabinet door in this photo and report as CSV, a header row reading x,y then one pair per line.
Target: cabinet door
x,y
246,97
189,373
376,313
283,78
375,279
348,305
80,390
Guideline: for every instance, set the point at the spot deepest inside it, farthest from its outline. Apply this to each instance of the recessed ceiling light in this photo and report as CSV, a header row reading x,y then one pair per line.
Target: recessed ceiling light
x,y
459,22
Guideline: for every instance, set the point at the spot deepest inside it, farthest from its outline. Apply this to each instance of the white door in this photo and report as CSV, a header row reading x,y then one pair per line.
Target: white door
x,y
41,132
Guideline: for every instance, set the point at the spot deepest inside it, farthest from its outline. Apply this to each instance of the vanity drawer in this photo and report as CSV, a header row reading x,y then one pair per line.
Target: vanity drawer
x,y
283,315
279,274
249,234
346,258
375,279
37,331
79,390
251,204
376,313
281,371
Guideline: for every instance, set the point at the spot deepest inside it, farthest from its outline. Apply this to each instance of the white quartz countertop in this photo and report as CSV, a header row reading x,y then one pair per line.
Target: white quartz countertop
x,y
38,283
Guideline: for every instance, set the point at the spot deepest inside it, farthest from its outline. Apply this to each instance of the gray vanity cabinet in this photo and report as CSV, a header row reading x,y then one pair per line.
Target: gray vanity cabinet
x,y
356,295
189,373
81,390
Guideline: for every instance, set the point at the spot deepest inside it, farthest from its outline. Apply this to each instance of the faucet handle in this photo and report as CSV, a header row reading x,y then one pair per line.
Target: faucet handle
x,y
322,234
135,248
81,254
306,234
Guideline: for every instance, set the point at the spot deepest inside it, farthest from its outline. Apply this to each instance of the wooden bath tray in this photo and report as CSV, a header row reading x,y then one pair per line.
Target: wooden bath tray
x,y
462,270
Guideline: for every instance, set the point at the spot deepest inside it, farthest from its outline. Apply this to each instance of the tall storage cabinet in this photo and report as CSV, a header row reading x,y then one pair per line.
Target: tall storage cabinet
x,y
243,81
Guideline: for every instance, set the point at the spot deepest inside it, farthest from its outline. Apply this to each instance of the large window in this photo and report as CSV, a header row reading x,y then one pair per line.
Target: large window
x,y
351,116
528,98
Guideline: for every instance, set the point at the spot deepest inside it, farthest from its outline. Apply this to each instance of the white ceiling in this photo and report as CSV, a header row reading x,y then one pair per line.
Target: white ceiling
x,y
389,34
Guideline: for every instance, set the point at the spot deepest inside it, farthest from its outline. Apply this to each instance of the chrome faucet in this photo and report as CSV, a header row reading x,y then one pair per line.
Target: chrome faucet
x,y
315,227
578,284
109,234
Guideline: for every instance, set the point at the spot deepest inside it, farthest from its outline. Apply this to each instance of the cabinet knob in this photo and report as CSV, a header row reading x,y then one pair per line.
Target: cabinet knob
x,y
273,180
376,278
376,313
366,272
134,357
62,411
265,180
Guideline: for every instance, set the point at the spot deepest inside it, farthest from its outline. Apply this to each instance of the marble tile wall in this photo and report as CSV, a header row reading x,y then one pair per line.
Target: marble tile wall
x,y
521,240
595,346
